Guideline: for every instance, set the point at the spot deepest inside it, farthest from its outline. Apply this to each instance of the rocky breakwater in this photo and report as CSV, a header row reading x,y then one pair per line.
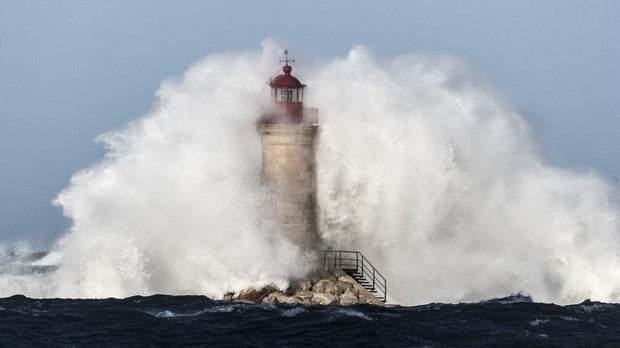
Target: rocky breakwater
x,y
322,287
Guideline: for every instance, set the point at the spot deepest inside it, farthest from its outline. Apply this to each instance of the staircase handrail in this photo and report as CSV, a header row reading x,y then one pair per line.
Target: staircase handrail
x,y
362,266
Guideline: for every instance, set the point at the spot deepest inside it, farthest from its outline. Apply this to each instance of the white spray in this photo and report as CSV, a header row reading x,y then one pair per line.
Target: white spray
x,y
425,169
421,166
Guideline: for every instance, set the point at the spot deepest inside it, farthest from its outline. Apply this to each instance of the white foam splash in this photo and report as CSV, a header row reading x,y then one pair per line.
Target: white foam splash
x,y
421,165
432,175
176,206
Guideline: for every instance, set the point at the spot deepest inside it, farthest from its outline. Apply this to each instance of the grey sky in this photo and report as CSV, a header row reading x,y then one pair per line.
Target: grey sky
x,y
70,70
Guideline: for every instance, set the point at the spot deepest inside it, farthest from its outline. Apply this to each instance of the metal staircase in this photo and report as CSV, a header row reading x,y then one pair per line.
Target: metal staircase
x,y
359,268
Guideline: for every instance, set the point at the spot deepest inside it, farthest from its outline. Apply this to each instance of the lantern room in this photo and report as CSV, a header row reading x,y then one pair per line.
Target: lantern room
x,y
286,88
287,94
287,97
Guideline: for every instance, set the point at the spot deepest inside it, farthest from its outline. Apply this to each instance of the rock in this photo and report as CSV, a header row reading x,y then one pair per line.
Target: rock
x,y
347,279
368,298
253,295
364,296
325,286
375,301
324,298
246,294
299,285
349,298
272,298
343,287
277,297
337,273
305,296
291,300
357,286
228,296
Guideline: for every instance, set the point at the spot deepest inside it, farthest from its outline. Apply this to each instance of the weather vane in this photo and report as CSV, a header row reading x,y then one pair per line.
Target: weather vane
x,y
286,60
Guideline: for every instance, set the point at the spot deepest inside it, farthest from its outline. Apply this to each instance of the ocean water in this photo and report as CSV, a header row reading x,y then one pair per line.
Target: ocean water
x,y
197,320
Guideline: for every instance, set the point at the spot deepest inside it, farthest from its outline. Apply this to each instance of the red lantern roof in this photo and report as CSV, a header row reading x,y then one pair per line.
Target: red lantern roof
x,y
286,80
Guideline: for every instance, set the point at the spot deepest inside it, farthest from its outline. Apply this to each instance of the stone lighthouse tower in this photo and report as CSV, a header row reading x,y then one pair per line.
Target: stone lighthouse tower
x,y
288,131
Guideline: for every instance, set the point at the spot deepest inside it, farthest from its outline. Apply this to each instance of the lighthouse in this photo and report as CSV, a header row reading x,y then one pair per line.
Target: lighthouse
x,y
288,132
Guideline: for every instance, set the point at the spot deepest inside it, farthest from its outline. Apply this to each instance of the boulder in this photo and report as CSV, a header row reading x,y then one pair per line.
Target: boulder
x,y
299,285
375,301
343,287
337,273
368,298
357,286
349,298
272,298
291,300
253,295
347,279
305,296
277,297
324,298
325,286
229,296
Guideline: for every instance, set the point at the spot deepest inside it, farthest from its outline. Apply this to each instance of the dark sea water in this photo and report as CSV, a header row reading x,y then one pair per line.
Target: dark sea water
x,y
196,320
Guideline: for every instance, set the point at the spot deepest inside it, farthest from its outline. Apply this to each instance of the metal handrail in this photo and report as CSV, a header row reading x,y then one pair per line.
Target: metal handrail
x,y
363,267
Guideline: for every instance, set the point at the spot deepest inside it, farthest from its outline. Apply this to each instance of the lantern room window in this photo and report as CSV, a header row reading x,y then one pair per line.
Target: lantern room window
x,y
288,95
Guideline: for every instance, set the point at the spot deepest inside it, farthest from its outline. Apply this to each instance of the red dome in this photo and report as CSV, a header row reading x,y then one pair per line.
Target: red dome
x,y
286,80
